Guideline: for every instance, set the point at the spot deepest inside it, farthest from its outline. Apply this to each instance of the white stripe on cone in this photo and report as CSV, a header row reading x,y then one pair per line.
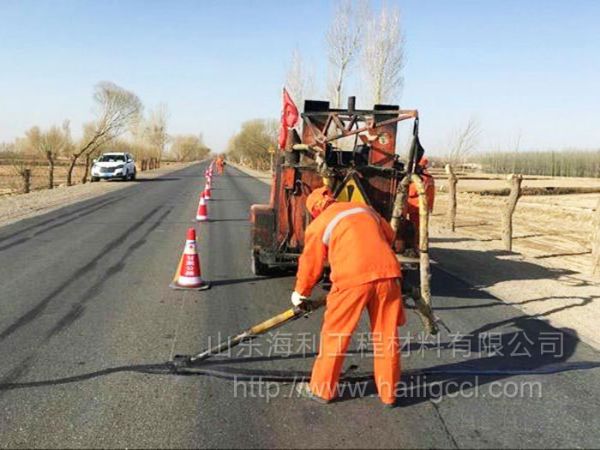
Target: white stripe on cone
x,y
202,214
189,273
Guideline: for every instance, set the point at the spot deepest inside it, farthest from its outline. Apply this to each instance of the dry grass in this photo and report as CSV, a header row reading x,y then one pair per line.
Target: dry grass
x,y
10,181
553,229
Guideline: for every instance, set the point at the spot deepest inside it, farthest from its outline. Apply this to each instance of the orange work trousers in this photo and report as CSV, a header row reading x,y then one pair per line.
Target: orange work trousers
x,y
382,298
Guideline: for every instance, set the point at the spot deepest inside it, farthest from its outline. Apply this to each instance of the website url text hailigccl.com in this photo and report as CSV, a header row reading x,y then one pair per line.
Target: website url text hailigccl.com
x,y
415,388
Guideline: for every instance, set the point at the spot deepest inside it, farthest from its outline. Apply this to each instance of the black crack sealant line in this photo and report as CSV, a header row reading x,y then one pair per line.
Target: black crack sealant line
x,y
192,365
196,364
236,374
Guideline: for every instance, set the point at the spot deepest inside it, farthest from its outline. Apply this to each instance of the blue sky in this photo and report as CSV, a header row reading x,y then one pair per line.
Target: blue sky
x,y
528,69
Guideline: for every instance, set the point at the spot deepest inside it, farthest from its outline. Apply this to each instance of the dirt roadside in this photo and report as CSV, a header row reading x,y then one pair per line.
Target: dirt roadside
x,y
22,206
545,276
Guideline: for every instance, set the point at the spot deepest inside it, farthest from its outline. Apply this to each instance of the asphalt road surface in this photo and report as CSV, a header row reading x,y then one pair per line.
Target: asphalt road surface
x,y
87,322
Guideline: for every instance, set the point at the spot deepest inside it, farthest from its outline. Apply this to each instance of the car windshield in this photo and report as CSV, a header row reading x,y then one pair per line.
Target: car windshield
x,y
111,158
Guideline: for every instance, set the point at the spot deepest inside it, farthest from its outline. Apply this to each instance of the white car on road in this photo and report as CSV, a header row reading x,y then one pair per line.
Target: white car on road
x,y
114,165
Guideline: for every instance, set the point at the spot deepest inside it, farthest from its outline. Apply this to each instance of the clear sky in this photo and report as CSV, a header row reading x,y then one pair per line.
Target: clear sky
x,y
528,68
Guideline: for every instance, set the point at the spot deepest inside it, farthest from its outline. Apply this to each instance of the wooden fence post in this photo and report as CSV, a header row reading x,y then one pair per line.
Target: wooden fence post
x,y
452,180
509,209
596,241
26,181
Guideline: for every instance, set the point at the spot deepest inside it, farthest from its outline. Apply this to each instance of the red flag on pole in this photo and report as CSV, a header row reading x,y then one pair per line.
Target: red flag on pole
x,y
289,117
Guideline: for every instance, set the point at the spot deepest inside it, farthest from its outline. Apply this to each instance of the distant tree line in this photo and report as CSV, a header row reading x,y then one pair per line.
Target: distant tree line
x,y
119,124
565,163
252,145
189,147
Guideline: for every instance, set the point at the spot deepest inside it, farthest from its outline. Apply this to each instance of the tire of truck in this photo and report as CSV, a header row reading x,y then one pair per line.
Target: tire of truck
x,y
258,267
94,179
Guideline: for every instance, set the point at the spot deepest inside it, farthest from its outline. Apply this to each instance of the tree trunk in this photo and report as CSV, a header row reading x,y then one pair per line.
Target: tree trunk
x,y
452,180
26,174
72,163
596,242
509,209
50,159
86,170
338,88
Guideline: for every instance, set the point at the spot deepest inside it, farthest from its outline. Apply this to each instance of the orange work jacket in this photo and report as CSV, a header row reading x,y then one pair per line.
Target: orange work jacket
x,y
356,241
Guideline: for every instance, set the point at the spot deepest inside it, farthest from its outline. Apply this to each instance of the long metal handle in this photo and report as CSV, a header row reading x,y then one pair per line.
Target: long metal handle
x,y
251,333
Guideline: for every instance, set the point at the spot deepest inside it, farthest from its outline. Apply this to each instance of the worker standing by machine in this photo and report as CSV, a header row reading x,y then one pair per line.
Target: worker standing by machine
x,y
220,164
364,274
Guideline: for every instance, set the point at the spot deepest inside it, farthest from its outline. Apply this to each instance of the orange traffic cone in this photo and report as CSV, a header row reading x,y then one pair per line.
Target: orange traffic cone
x,y
188,275
202,214
206,192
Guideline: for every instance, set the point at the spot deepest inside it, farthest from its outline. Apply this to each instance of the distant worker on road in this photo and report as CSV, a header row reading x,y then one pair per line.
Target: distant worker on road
x,y
413,197
220,164
364,274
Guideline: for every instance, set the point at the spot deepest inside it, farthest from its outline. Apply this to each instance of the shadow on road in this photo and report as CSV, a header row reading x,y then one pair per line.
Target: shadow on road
x,y
503,269
227,282
535,348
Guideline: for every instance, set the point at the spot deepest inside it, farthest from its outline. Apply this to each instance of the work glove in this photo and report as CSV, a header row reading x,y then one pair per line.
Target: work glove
x,y
298,299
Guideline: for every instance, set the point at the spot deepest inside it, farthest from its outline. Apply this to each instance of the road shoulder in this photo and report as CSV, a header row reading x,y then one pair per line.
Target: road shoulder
x,y
14,208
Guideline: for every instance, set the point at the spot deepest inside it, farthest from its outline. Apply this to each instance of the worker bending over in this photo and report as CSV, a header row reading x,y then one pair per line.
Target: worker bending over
x,y
364,274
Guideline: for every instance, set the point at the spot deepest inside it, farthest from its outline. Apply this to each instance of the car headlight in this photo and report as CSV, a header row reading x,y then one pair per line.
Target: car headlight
x,y
120,166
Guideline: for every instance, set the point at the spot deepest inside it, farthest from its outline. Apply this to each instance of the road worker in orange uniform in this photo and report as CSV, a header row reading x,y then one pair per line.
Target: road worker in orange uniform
x,y
220,164
364,274
413,197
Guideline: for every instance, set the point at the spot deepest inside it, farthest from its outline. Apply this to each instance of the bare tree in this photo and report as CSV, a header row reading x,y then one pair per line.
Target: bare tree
x,y
117,109
383,55
150,137
509,210
463,142
253,142
22,168
20,153
451,214
50,144
189,147
299,79
344,39
155,131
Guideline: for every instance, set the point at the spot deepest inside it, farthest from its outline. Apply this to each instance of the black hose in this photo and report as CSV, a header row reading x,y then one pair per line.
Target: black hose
x,y
298,376
230,373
